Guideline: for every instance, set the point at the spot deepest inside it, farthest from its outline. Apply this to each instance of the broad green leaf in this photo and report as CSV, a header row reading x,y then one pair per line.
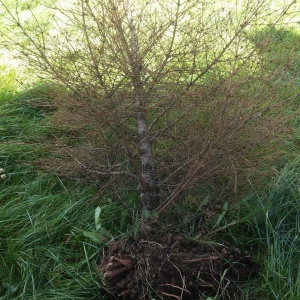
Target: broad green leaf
x,y
94,236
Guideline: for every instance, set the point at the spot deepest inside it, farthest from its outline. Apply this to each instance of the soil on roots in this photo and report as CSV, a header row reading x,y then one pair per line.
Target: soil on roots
x,y
173,267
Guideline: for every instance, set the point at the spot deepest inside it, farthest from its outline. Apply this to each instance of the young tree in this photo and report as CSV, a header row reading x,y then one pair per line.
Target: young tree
x,y
170,90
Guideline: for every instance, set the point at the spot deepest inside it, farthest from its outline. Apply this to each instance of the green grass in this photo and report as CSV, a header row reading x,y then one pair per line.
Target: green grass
x,y
45,252
282,266
7,83
43,249
268,227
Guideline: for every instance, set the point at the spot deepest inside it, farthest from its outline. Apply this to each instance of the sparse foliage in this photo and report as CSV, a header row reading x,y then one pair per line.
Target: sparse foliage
x,y
167,93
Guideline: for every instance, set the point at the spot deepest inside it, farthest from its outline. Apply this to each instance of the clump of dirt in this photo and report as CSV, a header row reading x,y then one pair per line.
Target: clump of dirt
x,y
173,267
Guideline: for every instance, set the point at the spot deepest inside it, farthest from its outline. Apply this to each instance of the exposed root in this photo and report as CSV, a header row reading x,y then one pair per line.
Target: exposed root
x,y
173,268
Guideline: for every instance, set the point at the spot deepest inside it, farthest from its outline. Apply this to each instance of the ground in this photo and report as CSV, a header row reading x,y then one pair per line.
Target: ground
x,y
173,267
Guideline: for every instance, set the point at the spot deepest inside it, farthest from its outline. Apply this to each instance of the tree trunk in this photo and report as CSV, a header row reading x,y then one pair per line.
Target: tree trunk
x,y
149,190
149,194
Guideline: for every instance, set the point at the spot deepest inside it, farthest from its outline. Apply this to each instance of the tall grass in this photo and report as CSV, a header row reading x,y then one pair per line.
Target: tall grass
x,y
43,250
44,253
282,227
268,226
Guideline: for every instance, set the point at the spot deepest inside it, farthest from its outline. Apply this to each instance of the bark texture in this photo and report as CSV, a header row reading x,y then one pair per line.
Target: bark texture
x,y
149,191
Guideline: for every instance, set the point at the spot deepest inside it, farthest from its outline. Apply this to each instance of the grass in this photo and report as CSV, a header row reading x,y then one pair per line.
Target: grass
x,y
282,228
7,84
43,249
42,246
268,227
45,252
